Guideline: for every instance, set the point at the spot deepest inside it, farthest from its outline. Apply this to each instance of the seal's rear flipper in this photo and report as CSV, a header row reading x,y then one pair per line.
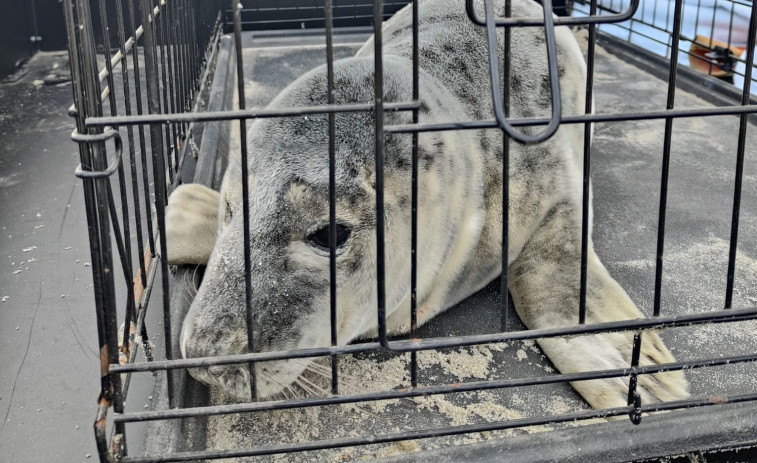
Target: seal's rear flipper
x,y
191,224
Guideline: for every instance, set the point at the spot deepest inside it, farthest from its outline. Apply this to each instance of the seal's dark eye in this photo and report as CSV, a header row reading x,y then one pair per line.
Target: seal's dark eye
x,y
320,237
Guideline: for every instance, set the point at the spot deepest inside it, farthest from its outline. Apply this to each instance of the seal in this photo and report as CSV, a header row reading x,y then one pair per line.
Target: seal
x,y
459,213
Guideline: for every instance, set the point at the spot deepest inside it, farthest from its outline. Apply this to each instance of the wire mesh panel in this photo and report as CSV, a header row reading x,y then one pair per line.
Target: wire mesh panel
x,y
279,365
158,65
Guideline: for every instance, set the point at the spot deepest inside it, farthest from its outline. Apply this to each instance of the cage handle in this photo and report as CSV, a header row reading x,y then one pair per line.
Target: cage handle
x,y
99,137
554,83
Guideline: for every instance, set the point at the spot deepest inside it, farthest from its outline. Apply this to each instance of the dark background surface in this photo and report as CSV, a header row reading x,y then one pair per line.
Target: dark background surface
x,y
20,20
48,338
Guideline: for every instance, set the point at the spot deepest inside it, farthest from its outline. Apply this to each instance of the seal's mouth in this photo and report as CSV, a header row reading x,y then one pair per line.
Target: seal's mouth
x,y
272,379
281,378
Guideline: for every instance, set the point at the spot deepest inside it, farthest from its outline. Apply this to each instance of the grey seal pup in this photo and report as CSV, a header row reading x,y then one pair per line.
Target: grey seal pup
x,y
459,213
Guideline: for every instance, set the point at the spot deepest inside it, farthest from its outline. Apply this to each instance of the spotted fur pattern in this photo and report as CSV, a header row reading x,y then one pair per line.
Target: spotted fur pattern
x,y
459,213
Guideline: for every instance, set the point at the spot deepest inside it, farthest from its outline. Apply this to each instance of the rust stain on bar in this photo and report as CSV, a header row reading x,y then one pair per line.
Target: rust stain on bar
x,y
718,399
104,369
139,288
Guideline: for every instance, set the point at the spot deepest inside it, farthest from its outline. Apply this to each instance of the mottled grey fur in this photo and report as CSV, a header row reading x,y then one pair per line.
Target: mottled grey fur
x,y
460,213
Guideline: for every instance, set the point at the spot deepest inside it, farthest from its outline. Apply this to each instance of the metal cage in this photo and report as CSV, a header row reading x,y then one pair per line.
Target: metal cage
x,y
174,87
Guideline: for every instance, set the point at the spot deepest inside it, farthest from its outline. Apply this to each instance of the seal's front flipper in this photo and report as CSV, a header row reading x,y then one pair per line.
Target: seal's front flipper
x,y
545,282
191,224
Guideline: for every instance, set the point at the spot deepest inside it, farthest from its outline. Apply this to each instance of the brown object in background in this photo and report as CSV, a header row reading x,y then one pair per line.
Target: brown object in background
x,y
712,57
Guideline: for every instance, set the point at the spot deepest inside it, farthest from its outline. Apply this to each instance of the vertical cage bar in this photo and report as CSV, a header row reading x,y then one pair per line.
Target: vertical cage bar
x,y
188,24
174,9
196,49
182,70
588,109
200,24
503,290
730,31
741,149
130,134
170,45
141,129
666,157
171,147
251,322
201,18
630,28
159,169
186,96
155,53
696,21
125,248
192,49
176,44
183,6
332,192
113,112
93,155
654,13
102,261
76,88
75,28
414,208
122,245
634,398
711,33
106,57
378,100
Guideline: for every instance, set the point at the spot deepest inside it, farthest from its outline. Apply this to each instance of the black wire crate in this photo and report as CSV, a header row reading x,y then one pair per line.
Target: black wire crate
x,y
282,183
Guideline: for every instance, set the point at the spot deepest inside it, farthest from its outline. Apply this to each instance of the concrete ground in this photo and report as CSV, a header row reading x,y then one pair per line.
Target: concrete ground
x,y
48,340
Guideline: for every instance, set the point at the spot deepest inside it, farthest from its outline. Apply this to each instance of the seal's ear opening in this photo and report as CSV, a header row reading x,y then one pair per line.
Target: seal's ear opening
x,y
228,213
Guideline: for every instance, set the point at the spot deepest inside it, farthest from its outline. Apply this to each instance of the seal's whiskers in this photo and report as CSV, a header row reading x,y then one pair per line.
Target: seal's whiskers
x,y
287,391
319,390
189,280
307,386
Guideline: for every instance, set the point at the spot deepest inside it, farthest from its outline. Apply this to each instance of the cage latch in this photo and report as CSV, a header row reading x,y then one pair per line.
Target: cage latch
x,y
634,398
99,138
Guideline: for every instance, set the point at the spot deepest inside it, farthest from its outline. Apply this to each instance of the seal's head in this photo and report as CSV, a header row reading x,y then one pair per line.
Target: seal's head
x,y
289,226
